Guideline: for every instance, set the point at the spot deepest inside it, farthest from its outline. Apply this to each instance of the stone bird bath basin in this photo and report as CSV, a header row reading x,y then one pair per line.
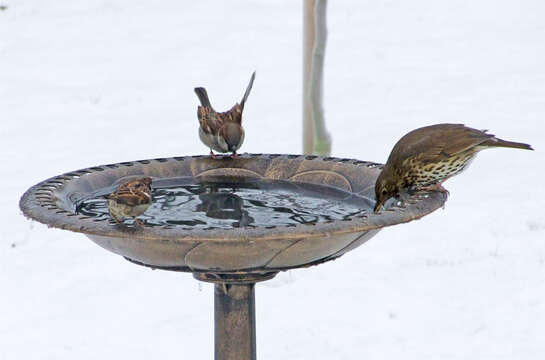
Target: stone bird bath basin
x,y
243,252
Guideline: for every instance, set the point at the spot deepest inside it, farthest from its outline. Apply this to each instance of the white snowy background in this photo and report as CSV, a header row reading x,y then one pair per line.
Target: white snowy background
x,y
84,83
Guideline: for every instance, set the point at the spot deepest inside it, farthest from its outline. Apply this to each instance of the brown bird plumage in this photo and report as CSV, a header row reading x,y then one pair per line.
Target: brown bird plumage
x,y
221,131
426,157
131,199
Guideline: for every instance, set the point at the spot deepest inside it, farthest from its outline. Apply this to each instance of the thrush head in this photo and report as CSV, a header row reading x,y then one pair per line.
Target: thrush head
x,y
386,187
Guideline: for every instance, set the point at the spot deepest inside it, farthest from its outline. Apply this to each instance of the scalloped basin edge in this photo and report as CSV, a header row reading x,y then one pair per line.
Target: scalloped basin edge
x,y
226,250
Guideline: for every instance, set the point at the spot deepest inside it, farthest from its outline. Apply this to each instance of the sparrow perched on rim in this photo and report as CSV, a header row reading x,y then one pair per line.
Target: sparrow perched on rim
x,y
221,131
426,157
131,199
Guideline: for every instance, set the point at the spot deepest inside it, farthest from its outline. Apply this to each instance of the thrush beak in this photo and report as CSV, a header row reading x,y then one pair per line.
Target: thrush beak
x,y
378,205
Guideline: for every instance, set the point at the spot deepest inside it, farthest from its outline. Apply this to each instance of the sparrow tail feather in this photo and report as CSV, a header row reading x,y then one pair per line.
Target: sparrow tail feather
x,y
203,96
248,89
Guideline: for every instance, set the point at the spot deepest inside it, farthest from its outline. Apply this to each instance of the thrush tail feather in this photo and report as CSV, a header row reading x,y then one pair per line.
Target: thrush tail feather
x,y
203,96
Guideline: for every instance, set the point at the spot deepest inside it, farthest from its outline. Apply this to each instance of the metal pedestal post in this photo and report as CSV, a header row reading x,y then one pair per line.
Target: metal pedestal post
x,y
234,313
234,321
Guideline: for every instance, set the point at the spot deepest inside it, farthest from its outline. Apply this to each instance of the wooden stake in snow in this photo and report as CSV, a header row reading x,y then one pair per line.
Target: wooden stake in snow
x,y
316,139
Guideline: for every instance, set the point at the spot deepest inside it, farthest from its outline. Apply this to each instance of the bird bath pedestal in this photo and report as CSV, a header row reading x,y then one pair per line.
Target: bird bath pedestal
x,y
237,257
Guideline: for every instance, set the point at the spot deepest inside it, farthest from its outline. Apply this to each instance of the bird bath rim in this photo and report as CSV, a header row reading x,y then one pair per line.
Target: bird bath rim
x,y
219,251
41,203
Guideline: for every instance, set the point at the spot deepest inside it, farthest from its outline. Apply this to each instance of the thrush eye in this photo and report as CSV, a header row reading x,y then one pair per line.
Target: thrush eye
x,y
384,192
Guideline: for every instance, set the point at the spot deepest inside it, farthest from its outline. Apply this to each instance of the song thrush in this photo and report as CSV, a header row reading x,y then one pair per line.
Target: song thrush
x,y
221,131
426,157
131,199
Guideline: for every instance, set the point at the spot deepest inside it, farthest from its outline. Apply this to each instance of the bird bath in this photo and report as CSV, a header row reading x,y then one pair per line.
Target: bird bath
x,y
245,220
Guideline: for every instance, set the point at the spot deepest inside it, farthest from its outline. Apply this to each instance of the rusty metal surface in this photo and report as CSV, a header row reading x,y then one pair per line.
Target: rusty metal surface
x,y
234,278
243,250
234,322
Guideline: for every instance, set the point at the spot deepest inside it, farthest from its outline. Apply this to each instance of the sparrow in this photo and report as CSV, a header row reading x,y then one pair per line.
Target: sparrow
x,y
131,199
221,131
426,157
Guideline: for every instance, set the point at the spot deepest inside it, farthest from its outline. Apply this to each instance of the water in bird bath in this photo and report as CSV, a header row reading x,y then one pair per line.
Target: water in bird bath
x,y
256,203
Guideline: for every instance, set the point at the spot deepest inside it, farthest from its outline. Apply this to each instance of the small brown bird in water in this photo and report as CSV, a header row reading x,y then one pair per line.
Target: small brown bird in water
x,y
221,131
131,199
426,157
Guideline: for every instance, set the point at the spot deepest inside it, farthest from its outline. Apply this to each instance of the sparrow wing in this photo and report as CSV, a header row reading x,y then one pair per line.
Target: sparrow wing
x,y
132,194
131,199
209,120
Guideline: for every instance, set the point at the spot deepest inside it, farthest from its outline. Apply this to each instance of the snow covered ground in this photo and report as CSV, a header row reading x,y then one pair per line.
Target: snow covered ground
x,y
84,83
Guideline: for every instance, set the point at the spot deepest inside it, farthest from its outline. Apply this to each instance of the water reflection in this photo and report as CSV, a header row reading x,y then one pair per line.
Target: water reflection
x,y
221,205
235,205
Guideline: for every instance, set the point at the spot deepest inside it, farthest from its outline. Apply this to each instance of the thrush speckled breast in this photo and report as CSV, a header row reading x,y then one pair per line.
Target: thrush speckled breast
x,y
426,157
130,199
221,131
